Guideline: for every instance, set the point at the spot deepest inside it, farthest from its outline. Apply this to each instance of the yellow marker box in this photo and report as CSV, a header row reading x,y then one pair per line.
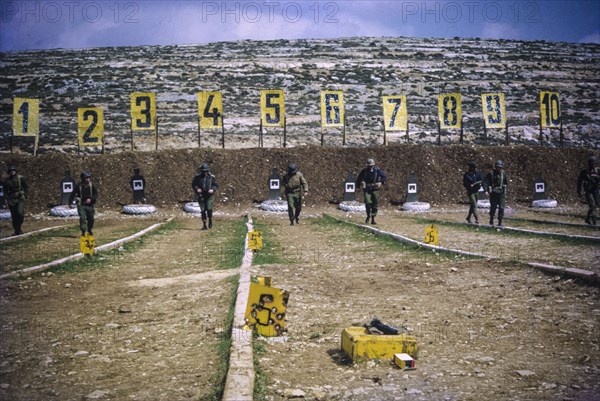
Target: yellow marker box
x,y
404,361
357,343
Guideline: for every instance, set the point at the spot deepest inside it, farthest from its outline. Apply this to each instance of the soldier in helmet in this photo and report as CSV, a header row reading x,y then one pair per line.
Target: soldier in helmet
x,y
85,195
295,186
205,186
370,179
15,188
496,184
472,181
589,182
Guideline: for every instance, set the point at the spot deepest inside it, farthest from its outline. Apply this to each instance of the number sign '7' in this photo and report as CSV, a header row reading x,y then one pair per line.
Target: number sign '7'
x,y
143,111
395,117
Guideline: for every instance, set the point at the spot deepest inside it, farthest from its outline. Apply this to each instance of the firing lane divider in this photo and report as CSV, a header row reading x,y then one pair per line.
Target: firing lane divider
x,y
570,272
239,383
556,223
31,233
77,256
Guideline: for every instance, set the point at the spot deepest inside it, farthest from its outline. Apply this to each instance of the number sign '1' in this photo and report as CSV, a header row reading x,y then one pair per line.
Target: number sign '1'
x,y
395,116
332,108
210,109
90,126
272,108
450,110
143,111
550,109
494,110
26,117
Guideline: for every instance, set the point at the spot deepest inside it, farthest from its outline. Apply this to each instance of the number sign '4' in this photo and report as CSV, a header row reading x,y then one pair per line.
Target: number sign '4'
x,y
26,117
395,116
450,110
90,126
210,109
272,108
494,110
332,108
550,109
143,111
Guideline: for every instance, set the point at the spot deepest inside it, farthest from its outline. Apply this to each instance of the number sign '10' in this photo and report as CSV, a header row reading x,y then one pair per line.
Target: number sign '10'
x,y
494,110
450,110
26,117
550,109
143,111
395,116
210,109
272,108
90,126
332,108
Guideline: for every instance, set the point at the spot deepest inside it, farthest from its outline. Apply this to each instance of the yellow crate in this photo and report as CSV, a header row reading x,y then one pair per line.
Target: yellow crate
x,y
404,361
357,343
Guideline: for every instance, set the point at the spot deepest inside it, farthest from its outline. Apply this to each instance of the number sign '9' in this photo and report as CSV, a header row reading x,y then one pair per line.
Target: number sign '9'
x,y
494,110
395,117
332,108
90,126
550,109
450,110
272,108
143,111
26,117
210,109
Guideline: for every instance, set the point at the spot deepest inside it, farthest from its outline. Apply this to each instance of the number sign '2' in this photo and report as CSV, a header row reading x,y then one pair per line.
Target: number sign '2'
x,y
272,108
26,117
332,108
90,126
550,109
450,110
395,116
494,110
210,109
143,111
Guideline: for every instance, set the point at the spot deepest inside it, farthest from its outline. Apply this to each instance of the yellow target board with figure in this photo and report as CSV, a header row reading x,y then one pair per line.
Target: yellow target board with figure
x,y
210,109
272,108
395,116
450,110
431,235
265,312
550,110
332,109
87,244
26,117
90,126
494,110
143,111
255,240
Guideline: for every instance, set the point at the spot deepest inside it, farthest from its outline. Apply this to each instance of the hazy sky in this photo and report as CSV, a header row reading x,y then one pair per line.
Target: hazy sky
x,y
51,24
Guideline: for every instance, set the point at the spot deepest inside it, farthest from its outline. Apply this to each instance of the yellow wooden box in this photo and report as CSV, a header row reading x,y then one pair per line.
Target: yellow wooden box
x,y
357,343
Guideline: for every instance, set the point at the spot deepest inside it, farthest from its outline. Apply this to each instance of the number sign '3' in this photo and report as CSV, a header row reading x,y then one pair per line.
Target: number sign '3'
x,y
272,108
395,116
90,126
210,109
494,110
332,108
550,109
143,111
450,110
26,117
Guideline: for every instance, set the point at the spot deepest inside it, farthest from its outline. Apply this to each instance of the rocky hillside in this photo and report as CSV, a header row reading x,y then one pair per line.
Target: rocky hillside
x,y
364,68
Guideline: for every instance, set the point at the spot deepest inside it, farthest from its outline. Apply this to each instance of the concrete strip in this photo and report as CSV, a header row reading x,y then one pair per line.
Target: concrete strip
x,y
31,233
239,384
522,230
571,272
105,247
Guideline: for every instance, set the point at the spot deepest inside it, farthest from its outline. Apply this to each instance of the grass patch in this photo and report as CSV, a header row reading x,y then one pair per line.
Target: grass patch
x,y
232,247
260,375
271,252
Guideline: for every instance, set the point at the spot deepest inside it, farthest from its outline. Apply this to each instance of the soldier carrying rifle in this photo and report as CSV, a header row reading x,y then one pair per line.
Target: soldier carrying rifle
x,y
472,181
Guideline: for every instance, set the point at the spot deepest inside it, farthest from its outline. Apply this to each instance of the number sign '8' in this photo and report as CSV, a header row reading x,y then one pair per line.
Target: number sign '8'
x,y
494,110
90,126
550,109
332,108
210,109
272,108
26,117
143,111
450,110
395,116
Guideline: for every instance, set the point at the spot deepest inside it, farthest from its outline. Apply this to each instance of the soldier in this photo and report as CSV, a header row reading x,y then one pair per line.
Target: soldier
x,y
496,184
589,181
205,185
15,188
472,181
85,194
295,186
370,179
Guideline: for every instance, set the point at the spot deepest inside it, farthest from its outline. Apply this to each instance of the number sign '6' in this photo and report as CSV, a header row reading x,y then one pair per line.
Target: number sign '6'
x,y
26,117
143,111
550,109
332,108
210,109
494,110
90,126
450,110
395,117
272,108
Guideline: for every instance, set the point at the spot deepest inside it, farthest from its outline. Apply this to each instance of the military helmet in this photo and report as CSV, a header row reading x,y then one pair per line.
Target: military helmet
x,y
204,167
86,174
593,160
471,163
499,164
370,162
12,167
292,168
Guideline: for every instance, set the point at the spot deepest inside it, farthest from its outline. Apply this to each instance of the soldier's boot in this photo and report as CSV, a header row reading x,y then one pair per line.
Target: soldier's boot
x,y
593,220
210,222
373,220
297,220
588,220
491,221
291,222
83,233
500,223
469,218
204,225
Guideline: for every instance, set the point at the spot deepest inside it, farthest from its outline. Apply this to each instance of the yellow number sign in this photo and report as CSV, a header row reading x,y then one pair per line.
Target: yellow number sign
x,y
550,109
431,235
87,244
395,116
332,109
494,110
26,117
90,126
265,312
272,108
210,109
255,240
143,111
450,110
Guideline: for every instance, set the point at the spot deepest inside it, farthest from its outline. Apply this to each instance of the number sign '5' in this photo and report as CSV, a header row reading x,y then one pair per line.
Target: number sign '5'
x,y
210,109
550,109
90,126
395,117
450,110
332,108
272,108
143,111
494,110
26,117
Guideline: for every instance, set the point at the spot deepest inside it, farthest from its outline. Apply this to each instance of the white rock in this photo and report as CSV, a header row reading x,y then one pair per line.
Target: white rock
x,y
290,393
96,395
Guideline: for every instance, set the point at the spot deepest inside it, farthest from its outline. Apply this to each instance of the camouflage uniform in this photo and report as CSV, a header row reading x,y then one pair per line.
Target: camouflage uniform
x,y
15,188
589,181
204,185
295,186
496,183
472,181
85,194
370,179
